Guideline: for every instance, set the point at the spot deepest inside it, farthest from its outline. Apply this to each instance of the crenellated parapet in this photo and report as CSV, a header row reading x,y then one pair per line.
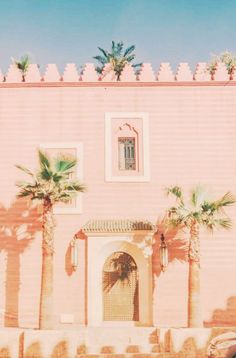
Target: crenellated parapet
x,y
163,75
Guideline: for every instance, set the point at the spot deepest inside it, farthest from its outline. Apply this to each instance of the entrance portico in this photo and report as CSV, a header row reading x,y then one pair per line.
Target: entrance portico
x,y
129,299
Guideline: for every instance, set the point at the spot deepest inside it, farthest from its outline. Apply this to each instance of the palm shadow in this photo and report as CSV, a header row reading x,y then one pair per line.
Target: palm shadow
x,y
176,243
60,350
18,226
224,317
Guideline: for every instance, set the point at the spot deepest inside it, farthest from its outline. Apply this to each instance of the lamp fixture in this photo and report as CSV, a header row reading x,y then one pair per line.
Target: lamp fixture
x,y
163,254
74,253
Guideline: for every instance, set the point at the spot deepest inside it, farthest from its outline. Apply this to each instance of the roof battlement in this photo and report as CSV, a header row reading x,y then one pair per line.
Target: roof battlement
x,y
89,76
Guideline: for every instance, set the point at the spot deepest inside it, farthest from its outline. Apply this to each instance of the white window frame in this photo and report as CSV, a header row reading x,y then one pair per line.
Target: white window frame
x,y
79,173
108,147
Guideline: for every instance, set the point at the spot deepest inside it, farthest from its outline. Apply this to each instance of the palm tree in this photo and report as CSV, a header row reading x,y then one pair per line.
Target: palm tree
x,y
118,57
23,64
49,185
199,211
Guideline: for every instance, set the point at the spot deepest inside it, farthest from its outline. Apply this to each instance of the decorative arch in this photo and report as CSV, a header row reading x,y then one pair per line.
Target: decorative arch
x,y
127,147
100,248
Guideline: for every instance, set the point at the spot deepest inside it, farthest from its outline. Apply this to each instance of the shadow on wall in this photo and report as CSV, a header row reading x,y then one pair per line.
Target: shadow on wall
x,y
34,351
60,350
177,246
190,349
18,226
197,344
224,317
4,352
68,268
68,256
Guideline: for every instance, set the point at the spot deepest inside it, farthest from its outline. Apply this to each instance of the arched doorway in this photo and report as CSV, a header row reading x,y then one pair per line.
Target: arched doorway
x,y
120,288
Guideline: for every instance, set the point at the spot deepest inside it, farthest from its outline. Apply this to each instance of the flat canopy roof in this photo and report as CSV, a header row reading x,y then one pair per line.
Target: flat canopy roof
x,y
117,226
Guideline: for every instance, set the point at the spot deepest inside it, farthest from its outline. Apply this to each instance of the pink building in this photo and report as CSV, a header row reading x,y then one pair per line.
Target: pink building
x,y
132,138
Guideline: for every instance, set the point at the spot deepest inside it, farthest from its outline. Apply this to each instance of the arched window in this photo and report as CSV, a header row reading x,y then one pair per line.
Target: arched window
x,y
127,147
127,155
120,288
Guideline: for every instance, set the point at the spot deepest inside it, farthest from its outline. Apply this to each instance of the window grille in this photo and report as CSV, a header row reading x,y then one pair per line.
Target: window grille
x,y
127,160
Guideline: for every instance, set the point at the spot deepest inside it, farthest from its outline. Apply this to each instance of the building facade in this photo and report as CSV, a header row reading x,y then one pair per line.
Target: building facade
x,y
132,139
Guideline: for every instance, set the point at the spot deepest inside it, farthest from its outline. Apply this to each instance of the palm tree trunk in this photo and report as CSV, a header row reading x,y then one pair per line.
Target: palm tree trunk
x,y
194,309
46,295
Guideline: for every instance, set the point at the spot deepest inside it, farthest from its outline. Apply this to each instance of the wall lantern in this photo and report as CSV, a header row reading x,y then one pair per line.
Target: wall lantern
x,y
74,253
163,254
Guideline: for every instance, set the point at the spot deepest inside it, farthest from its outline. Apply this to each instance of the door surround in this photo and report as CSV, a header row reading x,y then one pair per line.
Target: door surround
x,y
99,247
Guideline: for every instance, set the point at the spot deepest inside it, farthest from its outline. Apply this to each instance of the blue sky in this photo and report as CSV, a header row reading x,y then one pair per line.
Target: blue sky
x,y
61,31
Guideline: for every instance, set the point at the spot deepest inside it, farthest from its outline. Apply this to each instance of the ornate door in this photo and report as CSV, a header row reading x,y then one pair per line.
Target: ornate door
x,y
120,288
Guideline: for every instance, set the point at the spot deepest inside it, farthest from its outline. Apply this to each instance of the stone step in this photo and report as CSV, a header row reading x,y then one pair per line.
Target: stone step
x,y
128,355
120,340
123,335
119,349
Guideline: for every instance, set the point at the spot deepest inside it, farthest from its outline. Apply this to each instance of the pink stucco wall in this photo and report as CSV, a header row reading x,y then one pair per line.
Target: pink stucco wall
x,y
192,141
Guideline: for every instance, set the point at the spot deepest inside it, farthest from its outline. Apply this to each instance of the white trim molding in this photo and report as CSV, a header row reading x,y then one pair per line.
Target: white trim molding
x,y
78,147
144,174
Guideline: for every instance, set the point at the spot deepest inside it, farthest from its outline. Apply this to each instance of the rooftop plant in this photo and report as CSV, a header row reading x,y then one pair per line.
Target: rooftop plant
x,y
228,58
117,57
22,64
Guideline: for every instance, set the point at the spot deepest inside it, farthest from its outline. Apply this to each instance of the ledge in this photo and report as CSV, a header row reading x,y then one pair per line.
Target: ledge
x,y
137,84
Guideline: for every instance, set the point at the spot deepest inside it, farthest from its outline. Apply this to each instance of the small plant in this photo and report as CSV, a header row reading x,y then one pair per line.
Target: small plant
x,y
228,58
23,64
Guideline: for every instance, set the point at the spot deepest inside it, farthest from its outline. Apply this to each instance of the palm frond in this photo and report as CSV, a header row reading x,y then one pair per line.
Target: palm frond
x,y
57,177
207,207
45,165
137,65
44,160
130,58
105,53
23,63
99,69
24,193
176,191
100,59
75,186
46,174
26,185
225,223
63,165
212,223
226,200
129,50
115,52
198,196
24,169
119,47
